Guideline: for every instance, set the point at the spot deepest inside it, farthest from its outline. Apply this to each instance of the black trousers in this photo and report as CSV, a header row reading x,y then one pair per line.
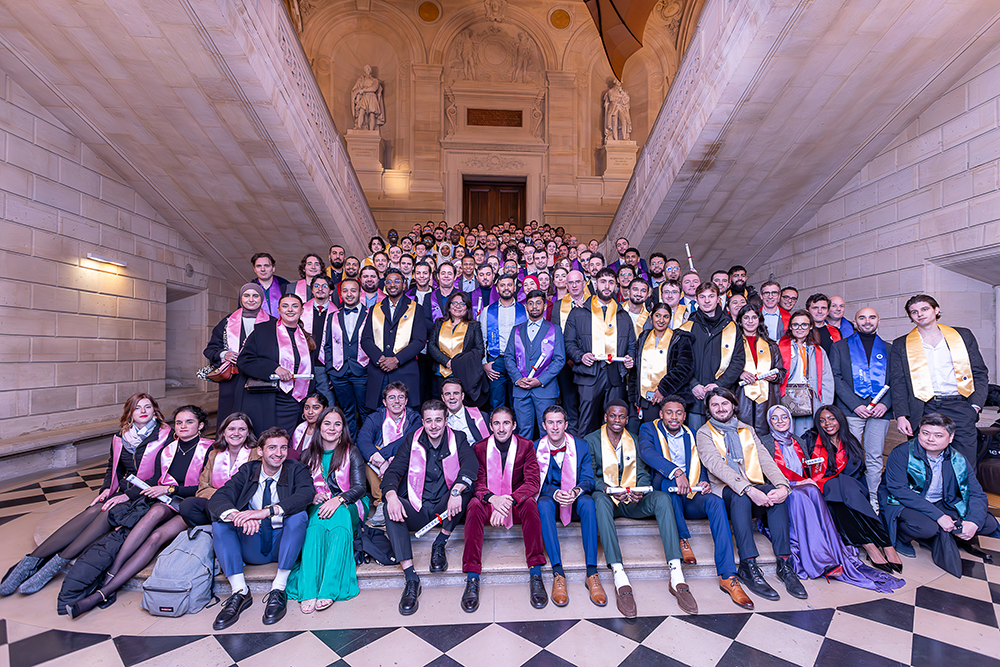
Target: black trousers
x,y
742,512
594,397
398,532
194,511
915,525
287,411
965,417
569,398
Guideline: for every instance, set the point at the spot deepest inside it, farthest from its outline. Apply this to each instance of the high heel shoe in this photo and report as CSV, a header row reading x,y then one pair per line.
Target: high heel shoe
x,y
832,572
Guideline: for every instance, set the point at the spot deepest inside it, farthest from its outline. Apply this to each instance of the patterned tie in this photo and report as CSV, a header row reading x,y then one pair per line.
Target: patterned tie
x,y
266,529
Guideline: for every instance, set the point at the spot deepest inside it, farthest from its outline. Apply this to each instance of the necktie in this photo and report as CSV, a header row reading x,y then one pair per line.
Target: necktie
x,y
266,530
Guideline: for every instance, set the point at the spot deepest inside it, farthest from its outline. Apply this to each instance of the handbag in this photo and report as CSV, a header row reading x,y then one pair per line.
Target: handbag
x,y
255,386
224,372
798,399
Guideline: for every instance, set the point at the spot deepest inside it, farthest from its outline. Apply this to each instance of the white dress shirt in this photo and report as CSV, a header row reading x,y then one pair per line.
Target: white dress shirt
x,y
942,368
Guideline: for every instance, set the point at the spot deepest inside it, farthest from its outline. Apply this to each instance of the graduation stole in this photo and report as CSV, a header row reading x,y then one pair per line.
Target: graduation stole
x,y
868,374
779,459
148,460
694,463
728,345
612,475
297,445
298,388
819,474
677,316
604,338
343,476
451,341
653,363
167,455
301,289
403,333
547,351
785,347
225,465
759,390
640,320
751,461
567,474
477,420
417,472
920,372
916,477
234,328
500,475
565,306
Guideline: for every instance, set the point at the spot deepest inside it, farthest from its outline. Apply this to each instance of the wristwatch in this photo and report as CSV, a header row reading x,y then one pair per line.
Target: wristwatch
x,y
455,493
170,490
270,509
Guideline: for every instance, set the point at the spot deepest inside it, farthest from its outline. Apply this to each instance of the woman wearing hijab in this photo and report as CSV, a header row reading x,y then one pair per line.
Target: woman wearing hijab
x,y
228,338
817,549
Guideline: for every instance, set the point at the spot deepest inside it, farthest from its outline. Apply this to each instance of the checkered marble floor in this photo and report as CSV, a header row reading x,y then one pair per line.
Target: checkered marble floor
x,y
939,620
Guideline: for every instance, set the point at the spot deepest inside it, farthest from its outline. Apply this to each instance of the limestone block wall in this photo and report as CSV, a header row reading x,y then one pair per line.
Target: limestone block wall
x,y
77,337
906,223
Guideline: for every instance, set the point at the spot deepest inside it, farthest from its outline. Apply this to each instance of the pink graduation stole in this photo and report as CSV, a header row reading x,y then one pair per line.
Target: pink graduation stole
x,y
343,476
226,465
148,460
286,359
500,478
567,480
337,340
301,289
234,327
391,432
194,468
418,467
297,444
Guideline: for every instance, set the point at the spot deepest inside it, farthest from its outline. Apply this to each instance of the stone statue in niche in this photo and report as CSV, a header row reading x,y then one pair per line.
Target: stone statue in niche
x,y
617,116
522,58
295,13
467,54
367,102
495,9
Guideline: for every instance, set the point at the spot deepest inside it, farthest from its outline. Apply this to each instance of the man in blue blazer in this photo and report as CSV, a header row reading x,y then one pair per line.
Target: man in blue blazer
x,y
535,354
667,446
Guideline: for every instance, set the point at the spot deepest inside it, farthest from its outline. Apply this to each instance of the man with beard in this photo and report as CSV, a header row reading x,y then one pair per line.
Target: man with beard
x,y
719,356
738,282
485,293
672,269
860,369
575,298
468,420
336,268
393,337
600,339
370,292
492,246
721,280
775,317
507,485
273,286
433,474
497,321
594,265
638,292
745,476
315,310
534,355
434,303
657,270
352,265
466,281
341,376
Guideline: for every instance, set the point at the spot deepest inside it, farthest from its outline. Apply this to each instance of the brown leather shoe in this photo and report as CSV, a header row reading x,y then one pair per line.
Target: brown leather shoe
x,y
685,598
626,602
736,592
560,596
597,595
687,554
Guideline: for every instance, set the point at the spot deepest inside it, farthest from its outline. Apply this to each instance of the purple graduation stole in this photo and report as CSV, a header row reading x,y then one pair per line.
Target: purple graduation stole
x,y
532,368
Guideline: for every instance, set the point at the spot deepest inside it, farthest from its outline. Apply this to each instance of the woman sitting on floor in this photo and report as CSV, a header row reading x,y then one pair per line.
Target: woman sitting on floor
x,y
327,571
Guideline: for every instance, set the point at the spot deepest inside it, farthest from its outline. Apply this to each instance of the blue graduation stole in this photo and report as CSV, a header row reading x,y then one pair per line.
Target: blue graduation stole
x,y
869,375
493,326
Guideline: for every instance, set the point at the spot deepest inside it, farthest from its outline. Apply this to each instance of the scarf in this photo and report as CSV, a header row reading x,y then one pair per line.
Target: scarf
x,y
134,436
148,461
735,444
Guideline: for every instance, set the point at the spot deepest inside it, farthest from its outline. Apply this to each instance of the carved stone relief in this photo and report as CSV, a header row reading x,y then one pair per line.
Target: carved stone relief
x,y
669,13
537,115
493,162
495,9
494,53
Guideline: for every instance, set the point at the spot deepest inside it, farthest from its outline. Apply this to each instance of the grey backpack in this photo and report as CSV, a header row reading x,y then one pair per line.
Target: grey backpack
x,y
183,578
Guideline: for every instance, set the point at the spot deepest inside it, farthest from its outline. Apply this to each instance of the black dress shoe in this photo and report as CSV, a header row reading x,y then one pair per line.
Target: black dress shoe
x,y
234,605
786,572
470,598
539,598
409,602
275,606
974,551
439,560
752,579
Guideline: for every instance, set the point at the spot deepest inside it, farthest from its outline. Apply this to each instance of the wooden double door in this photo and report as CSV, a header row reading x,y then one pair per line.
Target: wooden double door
x,y
492,203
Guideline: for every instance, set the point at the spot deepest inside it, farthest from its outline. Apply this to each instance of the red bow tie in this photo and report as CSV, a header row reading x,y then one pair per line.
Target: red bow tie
x,y
557,451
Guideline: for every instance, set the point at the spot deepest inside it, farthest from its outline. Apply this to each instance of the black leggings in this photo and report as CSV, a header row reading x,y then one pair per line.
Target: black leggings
x,y
74,536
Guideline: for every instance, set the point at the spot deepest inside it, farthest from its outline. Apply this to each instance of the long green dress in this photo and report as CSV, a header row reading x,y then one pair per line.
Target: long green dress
x,y
327,570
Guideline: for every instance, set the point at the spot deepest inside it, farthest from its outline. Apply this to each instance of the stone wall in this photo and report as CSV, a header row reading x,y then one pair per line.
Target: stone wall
x,y
923,216
79,336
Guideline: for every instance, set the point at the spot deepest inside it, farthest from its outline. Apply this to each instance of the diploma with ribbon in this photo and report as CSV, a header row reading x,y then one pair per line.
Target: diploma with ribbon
x,y
611,359
687,249
813,462
877,397
770,375
438,519
295,376
165,499
696,489
614,490
536,365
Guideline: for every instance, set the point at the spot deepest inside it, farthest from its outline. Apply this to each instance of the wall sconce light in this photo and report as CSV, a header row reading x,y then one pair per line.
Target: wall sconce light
x,y
106,260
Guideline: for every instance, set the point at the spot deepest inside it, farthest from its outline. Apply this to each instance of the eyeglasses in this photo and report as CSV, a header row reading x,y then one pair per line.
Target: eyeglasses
x,y
769,293
799,325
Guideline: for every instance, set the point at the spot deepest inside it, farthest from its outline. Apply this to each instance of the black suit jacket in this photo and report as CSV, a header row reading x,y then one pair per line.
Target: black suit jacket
x,y
407,372
295,489
707,349
680,368
352,343
843,378
579,341
905,404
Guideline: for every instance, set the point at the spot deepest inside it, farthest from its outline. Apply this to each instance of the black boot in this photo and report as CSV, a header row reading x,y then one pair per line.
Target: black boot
x,y
470,598
752,579
786,572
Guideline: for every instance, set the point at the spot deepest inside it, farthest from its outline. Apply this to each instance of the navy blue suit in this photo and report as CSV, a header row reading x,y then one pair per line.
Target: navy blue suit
x,y
529,404
701,506
346,385
583,508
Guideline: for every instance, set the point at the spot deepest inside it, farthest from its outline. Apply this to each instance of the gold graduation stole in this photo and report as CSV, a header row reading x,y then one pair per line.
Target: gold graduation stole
x,y
451,341
728,345
695,477
677,317
565,306
751,461
403,333
640,320
920,372
653,363
604,338
612,476
758,391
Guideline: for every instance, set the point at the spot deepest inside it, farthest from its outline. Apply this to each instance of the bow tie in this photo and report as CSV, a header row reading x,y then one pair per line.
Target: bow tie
x,y
351,310
558,451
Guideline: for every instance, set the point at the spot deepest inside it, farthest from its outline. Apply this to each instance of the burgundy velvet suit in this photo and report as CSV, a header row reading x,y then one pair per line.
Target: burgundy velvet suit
x,y
525,485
